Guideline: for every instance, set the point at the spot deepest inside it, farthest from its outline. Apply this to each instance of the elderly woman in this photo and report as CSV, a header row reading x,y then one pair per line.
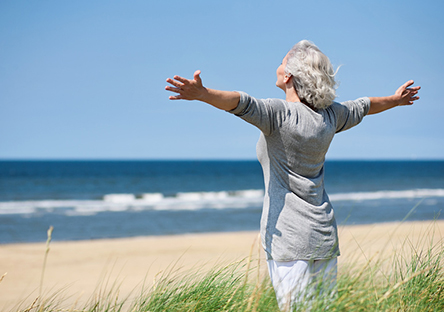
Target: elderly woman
x,y
298,228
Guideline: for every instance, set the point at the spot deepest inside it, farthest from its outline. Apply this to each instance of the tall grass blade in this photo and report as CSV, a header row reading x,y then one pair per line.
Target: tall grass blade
x,y
48,241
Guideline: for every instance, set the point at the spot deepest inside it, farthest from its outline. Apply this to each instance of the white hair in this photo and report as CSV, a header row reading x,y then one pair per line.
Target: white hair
x,y
313,75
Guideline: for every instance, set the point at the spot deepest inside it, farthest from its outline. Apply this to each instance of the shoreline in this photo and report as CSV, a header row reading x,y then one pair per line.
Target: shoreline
x,y
55,240
79,267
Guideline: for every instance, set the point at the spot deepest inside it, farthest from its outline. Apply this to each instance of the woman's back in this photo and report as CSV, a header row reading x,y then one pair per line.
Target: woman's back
x,y
297,219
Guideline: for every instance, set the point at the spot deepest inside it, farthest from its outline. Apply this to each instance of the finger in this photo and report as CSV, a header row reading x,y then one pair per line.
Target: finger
x,y
181,79
174,83
172,89
175,97
407,84
413,98
197,76
415,88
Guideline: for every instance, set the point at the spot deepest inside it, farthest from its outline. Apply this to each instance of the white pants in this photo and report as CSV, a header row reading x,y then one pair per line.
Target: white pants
x,y
293,281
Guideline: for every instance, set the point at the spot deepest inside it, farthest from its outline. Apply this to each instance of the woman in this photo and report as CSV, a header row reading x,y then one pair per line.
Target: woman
x,y
298,228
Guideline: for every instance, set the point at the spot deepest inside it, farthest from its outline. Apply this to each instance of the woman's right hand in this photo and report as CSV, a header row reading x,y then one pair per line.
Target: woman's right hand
x,y
405,95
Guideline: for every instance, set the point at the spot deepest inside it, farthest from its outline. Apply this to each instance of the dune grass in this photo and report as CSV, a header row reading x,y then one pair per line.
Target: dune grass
x,y
411,279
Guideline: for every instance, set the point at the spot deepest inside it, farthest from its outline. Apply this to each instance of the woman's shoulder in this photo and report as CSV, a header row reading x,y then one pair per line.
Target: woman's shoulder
x,y
274,104
351,105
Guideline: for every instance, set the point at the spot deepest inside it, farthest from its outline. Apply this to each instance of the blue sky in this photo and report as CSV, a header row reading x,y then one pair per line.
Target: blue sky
x,y
85,79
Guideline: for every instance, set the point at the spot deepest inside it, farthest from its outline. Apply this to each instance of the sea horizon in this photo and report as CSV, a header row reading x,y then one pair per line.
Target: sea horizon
x,y
202,159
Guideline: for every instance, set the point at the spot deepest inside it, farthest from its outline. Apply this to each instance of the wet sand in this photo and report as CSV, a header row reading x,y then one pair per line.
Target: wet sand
x,y
78,269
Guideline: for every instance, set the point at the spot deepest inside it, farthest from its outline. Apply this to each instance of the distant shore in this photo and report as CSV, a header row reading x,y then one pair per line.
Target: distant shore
x,y
77,268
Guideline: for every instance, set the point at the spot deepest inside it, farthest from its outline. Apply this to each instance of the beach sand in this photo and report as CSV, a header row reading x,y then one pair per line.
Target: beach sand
x,y
76,269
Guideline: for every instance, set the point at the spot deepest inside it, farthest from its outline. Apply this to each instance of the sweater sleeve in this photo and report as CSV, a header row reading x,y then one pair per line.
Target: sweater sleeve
x,y
350,113
264,114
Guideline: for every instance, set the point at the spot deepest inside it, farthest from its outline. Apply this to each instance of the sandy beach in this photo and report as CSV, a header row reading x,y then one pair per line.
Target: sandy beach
x,y
78,268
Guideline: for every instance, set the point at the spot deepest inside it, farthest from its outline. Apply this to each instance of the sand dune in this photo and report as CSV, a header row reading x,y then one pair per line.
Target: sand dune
x,y
78,268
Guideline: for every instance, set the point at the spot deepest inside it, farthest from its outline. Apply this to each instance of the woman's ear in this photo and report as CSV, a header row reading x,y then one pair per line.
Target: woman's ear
x,y
287,78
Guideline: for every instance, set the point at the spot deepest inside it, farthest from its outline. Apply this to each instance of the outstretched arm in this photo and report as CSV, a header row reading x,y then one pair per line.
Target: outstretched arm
x,y
403,96
187,89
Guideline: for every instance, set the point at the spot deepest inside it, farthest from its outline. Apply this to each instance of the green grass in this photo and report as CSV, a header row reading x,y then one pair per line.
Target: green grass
x,y
401,283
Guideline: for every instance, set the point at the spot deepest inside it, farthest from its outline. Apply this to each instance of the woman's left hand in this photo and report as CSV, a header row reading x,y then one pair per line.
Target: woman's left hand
x,y
187,89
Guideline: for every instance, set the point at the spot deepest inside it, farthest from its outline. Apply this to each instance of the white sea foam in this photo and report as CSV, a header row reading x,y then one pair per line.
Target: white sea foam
x,y
202,196
418,193
152,197
188,201
250,193
119,198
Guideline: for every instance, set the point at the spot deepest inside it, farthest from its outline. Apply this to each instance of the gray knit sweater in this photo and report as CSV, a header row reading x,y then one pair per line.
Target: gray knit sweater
x,y
297,221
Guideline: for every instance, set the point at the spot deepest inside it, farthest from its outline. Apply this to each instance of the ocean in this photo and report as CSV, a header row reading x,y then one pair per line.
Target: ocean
x,y
86,200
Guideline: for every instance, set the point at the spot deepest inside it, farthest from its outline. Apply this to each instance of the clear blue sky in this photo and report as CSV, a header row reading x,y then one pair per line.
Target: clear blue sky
x,y
85,79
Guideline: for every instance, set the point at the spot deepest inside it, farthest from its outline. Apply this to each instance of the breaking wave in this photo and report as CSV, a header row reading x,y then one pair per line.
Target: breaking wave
x,y
185,201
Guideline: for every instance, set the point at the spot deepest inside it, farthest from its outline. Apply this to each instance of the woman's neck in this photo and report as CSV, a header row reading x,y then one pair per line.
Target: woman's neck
x,y
291,95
